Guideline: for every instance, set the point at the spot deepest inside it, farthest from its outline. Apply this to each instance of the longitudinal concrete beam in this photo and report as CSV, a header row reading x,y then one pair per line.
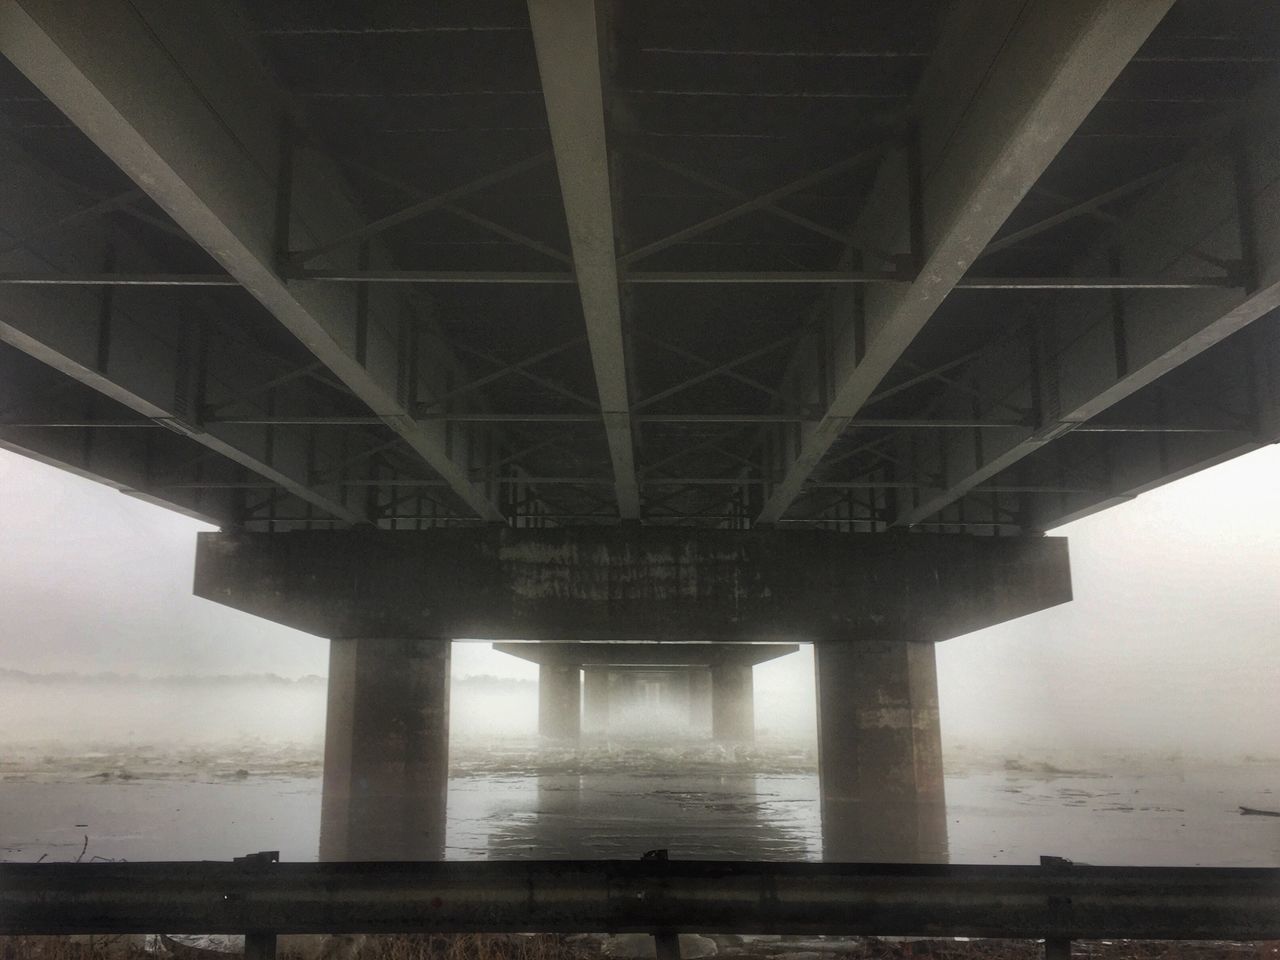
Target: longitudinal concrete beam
x,y
172,94
568,43
633,583
121,476
1007,85
126,464
1146,461
135,348
1100,349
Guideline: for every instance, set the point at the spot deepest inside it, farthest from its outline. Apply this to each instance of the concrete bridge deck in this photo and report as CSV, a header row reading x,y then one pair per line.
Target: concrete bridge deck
x,y
884,265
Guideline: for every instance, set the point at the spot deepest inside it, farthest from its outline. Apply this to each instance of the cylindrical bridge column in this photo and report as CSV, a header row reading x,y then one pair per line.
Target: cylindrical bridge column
x,y
595,700
880,752
700,700
386,751
733,716
559,701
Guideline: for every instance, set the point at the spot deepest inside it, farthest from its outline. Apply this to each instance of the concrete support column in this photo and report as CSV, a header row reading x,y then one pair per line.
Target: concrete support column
x,y
624,695
559,701
733,717
595,700
700,700
676,692
386,751
880,752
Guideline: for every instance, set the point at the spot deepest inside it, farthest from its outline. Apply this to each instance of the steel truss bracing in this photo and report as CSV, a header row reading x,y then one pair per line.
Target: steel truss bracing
x,y
641,278
818,278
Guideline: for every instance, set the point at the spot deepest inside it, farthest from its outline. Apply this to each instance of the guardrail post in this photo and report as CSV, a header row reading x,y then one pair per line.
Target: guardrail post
x,y
666,945
259,944
1058,947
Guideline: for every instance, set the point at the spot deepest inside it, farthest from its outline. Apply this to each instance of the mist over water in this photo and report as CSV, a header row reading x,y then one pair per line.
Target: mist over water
x,y
76,711
1171,644
1128,726
80,712
210,768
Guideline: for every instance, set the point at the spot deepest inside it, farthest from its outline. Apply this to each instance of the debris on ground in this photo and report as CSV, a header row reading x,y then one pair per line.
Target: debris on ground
x,y
604,947
1255,812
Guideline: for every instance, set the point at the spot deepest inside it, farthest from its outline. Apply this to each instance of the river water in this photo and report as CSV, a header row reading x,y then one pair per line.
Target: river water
x,y
1157,813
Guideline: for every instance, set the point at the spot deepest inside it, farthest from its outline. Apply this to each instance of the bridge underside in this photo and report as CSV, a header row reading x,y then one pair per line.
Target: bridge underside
x,y
979,267
634,622
570,321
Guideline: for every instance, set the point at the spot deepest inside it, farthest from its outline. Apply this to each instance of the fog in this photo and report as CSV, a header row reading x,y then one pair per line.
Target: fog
x,y
1171,644
106,711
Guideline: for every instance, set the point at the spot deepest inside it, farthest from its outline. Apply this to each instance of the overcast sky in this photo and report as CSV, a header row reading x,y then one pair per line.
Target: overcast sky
x,y
1172,642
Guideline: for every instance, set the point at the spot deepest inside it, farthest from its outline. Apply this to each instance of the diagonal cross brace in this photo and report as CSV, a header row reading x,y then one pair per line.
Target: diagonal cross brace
x,y
414,210
772,207
705,363
762,202
517,367
1007,87
717,370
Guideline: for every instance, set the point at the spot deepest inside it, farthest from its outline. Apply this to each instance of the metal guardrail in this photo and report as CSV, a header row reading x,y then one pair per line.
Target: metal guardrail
x,y
1057,901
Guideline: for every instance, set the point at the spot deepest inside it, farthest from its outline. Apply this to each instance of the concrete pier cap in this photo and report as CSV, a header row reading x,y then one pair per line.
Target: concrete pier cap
x,y
633,583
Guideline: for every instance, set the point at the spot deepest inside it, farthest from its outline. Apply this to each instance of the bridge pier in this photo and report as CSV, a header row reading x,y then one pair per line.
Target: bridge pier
x,y
629,603
595,700
880,752
559,701
386,750
733,712
700,700
708,686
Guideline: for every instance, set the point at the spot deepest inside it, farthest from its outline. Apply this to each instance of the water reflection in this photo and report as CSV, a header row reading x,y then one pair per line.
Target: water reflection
x,y
893,831
570,816
1130,811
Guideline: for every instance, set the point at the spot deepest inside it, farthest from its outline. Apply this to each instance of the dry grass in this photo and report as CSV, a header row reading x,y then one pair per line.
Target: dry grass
x,y
553,947
118,947
423,947
471,946
874,949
